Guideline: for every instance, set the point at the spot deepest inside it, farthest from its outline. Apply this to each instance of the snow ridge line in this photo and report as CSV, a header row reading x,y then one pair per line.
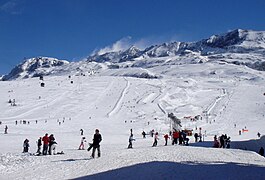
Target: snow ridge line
x,y
118,103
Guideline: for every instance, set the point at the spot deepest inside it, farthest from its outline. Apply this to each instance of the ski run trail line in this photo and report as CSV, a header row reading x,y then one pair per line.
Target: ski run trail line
x,y
118,103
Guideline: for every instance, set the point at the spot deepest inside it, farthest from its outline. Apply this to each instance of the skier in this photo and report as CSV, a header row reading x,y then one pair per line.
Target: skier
x,y
130,141
45,140
261,151
26,146
82,145
39,145
96,140
143,133
155,139
82,132
166,138
6,129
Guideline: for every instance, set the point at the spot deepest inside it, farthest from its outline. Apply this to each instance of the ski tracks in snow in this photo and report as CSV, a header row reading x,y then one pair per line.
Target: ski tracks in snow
x,y
117,105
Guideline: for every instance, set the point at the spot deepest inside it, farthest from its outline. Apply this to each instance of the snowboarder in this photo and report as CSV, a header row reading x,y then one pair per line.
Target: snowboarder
x,y
130,141
81,132
39,145
96,140
143,133
26,146
6,128
261,151
155,139
166,138
82,145
45,140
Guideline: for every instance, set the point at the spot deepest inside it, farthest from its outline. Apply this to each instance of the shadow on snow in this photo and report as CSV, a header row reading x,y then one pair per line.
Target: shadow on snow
x,y
183,170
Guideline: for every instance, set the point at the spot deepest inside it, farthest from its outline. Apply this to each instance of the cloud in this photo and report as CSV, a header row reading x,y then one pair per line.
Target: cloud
x,y
119,45
10,7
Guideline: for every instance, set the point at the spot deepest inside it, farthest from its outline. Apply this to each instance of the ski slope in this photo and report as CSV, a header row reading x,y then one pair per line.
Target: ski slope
x,y
116,104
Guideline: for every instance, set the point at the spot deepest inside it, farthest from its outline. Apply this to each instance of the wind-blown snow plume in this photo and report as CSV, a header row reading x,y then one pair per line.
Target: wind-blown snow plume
x,y
119,45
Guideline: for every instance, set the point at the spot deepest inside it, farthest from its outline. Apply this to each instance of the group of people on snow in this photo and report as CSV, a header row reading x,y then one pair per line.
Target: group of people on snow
x,y
222,141
178,137
48,143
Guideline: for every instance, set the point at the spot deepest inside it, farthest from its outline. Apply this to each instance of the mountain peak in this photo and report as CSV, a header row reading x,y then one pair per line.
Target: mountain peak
x,y
34,67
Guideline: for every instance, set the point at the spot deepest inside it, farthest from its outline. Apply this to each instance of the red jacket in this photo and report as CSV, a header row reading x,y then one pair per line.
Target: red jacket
x,y
46,140
176,134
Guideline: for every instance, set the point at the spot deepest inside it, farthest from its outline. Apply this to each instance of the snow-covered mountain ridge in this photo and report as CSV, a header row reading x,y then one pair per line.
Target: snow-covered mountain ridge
x,y
239,47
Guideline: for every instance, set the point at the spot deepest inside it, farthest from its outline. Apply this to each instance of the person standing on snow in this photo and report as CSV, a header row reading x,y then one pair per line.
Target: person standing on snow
x,y
46,141
26,146
259,135
6,129
39,145
196,136
155,139
166,138
82,145
130,141
144,134
96,140
51,142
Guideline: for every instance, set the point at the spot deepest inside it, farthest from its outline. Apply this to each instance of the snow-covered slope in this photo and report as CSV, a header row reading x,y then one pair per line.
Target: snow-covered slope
x,y
222,94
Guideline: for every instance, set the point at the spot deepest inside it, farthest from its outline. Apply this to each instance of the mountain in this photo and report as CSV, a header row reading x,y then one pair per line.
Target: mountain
x,y
116,57
35,67
239,47
239,40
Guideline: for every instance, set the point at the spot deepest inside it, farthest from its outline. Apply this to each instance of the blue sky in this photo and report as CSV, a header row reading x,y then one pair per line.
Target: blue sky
x,y
73,29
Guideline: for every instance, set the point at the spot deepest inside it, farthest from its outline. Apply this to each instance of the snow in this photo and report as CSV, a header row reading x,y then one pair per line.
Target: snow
x,y
113,102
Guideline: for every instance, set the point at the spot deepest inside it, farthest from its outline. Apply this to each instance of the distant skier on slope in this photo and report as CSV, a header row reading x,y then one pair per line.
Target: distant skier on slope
x,y
96,140
144,134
